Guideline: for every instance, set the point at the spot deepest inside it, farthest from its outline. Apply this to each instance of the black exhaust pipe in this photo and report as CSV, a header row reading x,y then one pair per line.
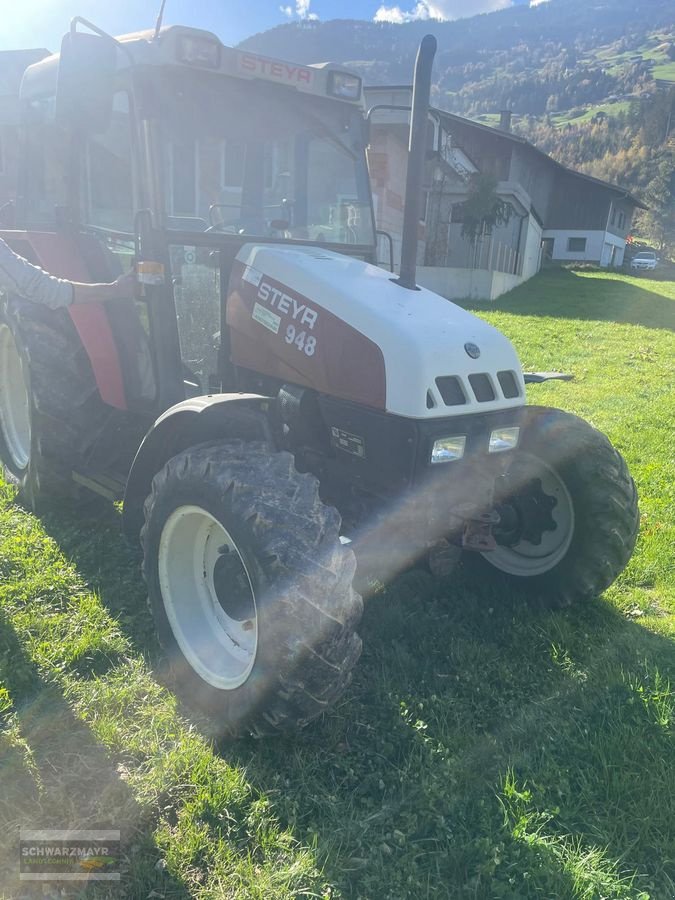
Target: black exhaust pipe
x,y
417,152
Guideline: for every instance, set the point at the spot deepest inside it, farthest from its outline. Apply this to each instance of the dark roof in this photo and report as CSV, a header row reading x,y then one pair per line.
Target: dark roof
x,y
516,139
523,142
624,193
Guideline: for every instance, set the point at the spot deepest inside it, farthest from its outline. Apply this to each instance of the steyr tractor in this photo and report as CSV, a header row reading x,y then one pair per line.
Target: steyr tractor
x,y
279,415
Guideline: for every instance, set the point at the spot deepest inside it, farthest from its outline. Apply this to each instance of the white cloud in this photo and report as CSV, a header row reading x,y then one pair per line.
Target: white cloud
x,y
442,10
396,15
301,10
537,2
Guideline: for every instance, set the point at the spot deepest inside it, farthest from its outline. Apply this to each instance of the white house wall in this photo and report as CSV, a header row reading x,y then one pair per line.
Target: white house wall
x,y
503,282
598,246
456,284
532,251
612,240
466,284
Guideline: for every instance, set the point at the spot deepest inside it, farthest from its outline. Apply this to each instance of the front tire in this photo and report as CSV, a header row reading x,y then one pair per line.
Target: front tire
x,y
250,587
569,512
50,408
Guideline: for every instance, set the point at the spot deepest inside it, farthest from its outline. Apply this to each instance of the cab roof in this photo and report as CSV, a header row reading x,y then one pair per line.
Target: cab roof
x,y
197,49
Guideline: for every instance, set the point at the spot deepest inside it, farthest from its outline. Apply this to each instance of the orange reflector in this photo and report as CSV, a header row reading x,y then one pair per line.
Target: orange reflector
x,y
149,272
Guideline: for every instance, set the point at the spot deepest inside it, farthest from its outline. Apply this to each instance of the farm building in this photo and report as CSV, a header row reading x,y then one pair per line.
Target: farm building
x,y
546,210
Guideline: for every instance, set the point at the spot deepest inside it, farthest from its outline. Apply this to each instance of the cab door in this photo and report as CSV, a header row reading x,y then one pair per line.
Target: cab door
x,y
109,198
196,277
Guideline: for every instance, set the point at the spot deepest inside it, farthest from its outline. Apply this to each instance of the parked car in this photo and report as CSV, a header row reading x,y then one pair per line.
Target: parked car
x,y
646,259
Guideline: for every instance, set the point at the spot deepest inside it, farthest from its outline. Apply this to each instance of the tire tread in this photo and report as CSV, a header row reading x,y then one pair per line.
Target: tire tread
x,y
297,544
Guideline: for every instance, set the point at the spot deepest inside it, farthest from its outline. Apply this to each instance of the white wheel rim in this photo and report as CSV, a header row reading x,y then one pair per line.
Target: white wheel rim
x,y
214,624
526,560
14,402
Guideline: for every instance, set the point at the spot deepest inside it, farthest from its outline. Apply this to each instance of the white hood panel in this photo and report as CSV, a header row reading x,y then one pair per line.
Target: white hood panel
x,y
422,336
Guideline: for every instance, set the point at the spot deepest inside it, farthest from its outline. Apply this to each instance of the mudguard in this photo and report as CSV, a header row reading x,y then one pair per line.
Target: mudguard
x,y
194,421
81,258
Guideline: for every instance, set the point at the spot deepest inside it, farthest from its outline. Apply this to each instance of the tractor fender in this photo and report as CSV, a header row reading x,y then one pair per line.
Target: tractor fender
x,y
191,422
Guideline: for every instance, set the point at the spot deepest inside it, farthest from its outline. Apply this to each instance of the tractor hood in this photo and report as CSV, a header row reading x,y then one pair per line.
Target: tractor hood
x,y
343,327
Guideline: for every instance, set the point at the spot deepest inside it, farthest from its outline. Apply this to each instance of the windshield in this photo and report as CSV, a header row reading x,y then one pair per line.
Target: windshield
x,y
253,159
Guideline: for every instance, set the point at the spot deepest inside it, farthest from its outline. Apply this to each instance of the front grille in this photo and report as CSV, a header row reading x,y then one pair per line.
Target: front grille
x,y
450,389
508,384
482,387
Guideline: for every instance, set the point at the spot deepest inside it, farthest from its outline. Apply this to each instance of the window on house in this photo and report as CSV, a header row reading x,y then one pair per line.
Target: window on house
x,y
576,245
457,213
622,219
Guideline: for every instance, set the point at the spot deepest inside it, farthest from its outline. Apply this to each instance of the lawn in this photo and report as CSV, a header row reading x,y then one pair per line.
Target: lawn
x,y
484,750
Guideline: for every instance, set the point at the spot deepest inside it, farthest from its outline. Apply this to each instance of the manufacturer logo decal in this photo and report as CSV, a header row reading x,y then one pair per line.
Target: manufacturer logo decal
x,y
473,350
267,318
274,69
287,305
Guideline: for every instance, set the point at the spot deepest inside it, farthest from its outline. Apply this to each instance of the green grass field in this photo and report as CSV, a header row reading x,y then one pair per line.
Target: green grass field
x,y
653,49
665,71
484,750
610,109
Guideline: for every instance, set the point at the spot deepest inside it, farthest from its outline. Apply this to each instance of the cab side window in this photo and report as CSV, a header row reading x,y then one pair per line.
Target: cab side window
x,y
107,193
47,149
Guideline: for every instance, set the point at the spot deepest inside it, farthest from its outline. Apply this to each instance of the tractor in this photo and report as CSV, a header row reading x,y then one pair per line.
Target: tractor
x,y
284,420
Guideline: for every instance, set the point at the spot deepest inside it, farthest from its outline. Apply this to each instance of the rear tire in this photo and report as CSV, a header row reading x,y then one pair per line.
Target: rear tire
x,y
576,511
250,587
50,408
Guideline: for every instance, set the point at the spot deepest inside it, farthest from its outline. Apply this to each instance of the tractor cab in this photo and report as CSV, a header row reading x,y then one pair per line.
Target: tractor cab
x,y
175,149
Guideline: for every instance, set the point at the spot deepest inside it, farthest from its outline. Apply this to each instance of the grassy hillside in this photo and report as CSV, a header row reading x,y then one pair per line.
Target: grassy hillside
x,y
485,750
587,82
550,58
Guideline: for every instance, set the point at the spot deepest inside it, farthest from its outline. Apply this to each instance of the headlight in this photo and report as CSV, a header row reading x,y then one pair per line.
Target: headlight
x,y
344,85
504,439
448,448
198,51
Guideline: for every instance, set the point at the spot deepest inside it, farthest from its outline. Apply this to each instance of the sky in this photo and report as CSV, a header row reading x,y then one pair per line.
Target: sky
x,y
41,23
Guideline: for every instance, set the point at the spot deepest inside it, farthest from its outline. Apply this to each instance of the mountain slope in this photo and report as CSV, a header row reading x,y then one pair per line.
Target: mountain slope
x,y
587,79
572,50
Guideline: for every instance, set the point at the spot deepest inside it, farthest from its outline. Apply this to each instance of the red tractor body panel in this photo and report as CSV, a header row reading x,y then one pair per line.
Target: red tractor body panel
x,y
61,255
277,331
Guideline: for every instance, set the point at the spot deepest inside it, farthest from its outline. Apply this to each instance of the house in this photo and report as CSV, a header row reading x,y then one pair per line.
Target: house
x,y
13,63
589,220
544,209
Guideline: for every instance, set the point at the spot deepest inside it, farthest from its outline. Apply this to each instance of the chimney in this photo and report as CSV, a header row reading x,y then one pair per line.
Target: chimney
x,y
505,120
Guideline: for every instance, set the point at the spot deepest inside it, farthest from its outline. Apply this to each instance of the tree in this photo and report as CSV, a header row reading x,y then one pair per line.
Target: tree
x,y
483,208
658,222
